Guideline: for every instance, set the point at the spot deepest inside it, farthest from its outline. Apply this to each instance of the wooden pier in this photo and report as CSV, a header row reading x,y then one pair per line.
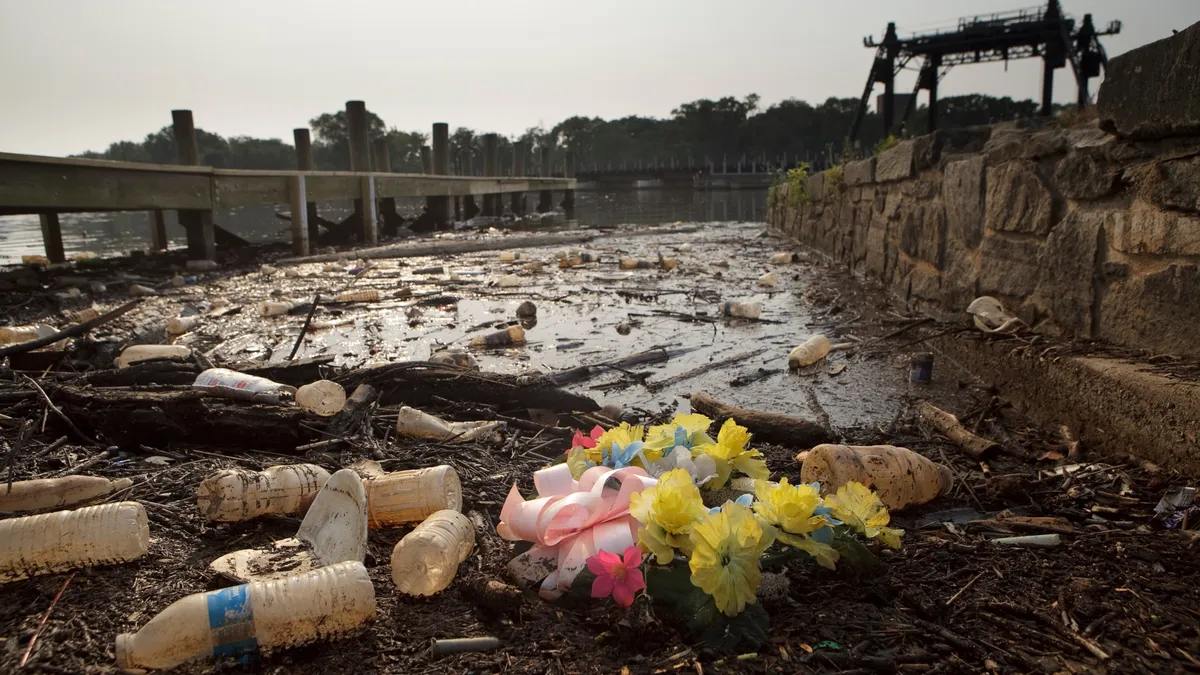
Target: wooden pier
x,y
49,186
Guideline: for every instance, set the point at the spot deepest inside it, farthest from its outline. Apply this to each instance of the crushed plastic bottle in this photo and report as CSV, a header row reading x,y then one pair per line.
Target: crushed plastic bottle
x,y
455,357
809,352
182,324
628,263
276,307
64,540
411,496
509,281
507,256
299,609
745,310
232,384
783,258
11,335
533,267
426,560
233,495
768,280
85,314
418,424
513,335
139,353
323,397
43,494
898,475
364,295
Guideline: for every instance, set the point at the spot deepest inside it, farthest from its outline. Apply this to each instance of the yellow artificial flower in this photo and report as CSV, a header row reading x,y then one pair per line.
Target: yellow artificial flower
x,y
858,507
790,508
577,461
662,436
725,556
669,510
622,435
730,452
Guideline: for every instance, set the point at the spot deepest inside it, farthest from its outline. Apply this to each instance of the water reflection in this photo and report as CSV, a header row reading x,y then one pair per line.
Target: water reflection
x,y
118,233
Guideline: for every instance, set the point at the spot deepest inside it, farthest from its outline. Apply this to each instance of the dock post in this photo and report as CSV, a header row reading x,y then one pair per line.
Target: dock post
x,y
298,201
158,230
439,207
426,160
382,152
545,197
304,162
517,200
491,201
201,237
568,202
466,161
52,237
358,130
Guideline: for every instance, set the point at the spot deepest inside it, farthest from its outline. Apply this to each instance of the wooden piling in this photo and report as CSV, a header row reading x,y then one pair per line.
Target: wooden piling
x,y
304,162
439,207
52,237
545,197
358,130
158,230
426,160
490,169
568,202
382,152
298,202
517,200
466,161
201,237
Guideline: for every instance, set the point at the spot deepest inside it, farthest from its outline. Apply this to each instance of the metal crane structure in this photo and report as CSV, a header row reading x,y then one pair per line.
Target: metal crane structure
x,y
1044,32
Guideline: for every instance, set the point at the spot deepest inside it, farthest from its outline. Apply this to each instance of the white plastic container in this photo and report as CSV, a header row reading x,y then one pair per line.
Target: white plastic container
x,y
425,561
64,540
56,493
768,280
809,352
323,397
138,353
275,307
411,496
234,495
182,324
783,258
509,281
232,384
321,604
745,310
418,424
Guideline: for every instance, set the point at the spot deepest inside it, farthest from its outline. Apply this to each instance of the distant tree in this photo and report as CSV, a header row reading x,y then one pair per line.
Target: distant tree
x,y
404,147
331,142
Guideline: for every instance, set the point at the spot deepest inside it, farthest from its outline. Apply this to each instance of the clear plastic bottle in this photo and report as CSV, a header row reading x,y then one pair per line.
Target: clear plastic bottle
x,y
411,496
182,324
232,384
509,281
419,424
425,561
809,352
11,335
513,335
64,540
233,495
85,314
745,310
138,353
507,256
627,263
783,258
364,295
768,280
323,397
138,290
320,604
56,493
275,307
898,475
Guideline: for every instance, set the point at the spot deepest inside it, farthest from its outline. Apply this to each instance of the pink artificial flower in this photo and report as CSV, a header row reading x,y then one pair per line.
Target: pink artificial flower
x,y
616,577
581,441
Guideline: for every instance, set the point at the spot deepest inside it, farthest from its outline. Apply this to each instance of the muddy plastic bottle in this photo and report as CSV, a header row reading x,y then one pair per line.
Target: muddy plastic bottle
x,y
322,398
182,324
11,335
365,295
56,493
232,384
455,357
513,335
138,353
745,310
308,607
85,314
411,496
233,495
899,476
783,258
507,256
419,424
425,561
628,263
809,352
509,281
64,540
668,264
768,280
275,307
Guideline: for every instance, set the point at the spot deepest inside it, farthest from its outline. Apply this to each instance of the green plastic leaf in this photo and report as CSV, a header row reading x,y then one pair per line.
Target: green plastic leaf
x,y
854,556
747,630
670,584
827,644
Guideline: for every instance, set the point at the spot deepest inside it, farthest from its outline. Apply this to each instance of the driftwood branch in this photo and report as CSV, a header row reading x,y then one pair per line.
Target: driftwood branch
x,y
782,429
948,425
69,332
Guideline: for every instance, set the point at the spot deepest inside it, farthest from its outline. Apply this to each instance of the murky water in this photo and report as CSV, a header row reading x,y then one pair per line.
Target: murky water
x,y
110,234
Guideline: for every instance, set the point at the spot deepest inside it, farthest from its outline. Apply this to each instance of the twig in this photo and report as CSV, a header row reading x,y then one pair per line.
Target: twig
x,y
715,365
69,332
963,589
56,411
84,465
304,329
42,624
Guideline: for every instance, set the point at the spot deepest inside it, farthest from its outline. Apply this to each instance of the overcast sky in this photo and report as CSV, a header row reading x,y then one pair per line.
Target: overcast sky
x,y
78,74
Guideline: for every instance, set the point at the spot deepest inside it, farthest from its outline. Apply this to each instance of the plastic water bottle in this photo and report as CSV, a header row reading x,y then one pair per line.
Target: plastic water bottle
x,y
11,335
139,353
364,295
809,352
64,540
768,280
783,258
290,611
181,324
509,281
425,561
411,496
85,314
276,307
232,384
898,475
628,263
323,397
507,256
745,310
419,424
56,493
233,495
513,335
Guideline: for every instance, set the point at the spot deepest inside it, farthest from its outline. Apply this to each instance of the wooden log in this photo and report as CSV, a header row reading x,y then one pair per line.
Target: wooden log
x,y
158,230
766,426
304,162
52,237
948,425
370,230
355,411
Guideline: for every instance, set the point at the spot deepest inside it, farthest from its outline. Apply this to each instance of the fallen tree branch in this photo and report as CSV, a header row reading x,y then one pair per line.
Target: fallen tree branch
x,y
441,248
782,429
949,426
714,365
70,331
53,408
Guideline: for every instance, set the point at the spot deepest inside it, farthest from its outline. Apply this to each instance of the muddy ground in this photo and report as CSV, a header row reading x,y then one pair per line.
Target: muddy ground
x,y
1118,595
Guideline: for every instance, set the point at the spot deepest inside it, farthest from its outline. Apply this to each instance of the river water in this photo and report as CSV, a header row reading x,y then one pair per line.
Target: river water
x,y
109,234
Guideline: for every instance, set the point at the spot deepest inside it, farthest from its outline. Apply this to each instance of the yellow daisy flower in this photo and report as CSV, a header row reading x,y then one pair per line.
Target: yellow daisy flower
x,y
858,507
730,452
669,510
725,556
622,435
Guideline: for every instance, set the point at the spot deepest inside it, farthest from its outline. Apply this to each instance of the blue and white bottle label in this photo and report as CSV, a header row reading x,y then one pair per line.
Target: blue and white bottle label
x,y
231,619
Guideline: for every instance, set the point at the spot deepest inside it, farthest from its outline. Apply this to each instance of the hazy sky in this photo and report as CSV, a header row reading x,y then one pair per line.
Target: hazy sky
x,y
78,74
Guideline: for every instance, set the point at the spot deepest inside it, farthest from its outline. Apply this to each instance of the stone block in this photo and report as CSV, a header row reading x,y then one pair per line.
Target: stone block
x,y
1017,200
1151,92
1175,184
1154,310
923,233
860,172
876,247
1069,267
1084,175
1010,145
893,199
1146,229
962,192
816,187
919,188
924,283
895,163
1008,265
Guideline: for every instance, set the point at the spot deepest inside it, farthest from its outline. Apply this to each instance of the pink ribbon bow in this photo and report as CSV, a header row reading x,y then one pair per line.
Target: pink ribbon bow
x,y
570,521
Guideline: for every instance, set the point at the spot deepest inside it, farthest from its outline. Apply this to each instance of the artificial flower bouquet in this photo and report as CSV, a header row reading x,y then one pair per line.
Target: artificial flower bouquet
x,y
625,514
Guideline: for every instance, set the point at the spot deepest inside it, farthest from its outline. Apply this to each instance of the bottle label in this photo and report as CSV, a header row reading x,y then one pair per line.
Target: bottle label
x,y
231,620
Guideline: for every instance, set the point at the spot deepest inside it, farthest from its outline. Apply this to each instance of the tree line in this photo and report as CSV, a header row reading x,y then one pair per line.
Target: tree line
x,y
727,127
